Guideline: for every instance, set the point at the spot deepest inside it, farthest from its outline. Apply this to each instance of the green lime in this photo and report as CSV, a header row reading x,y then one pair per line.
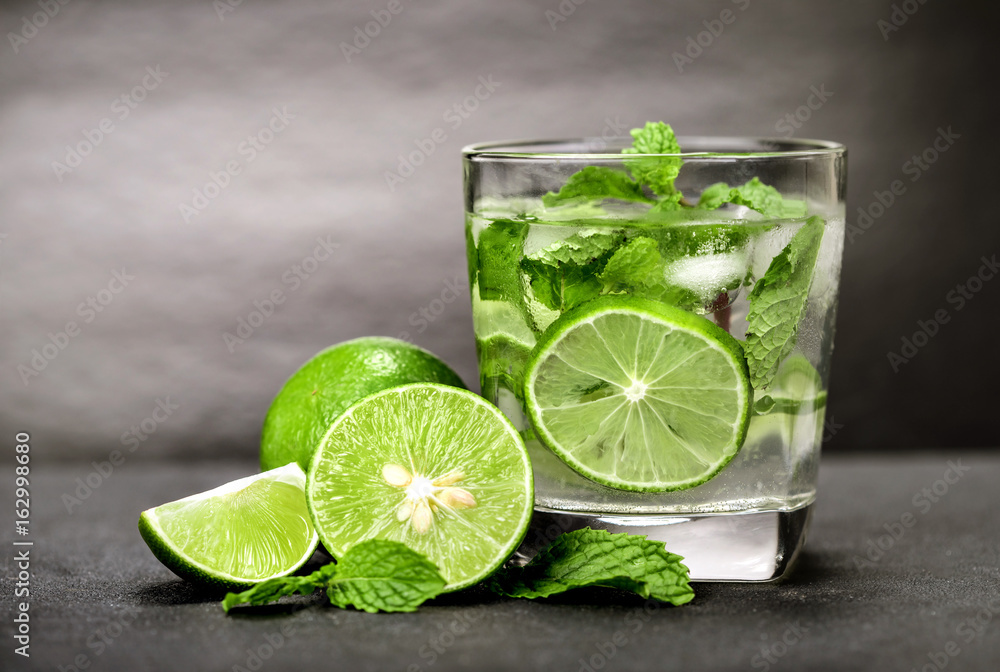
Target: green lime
x,y
331,381
238,534
638,395
434,467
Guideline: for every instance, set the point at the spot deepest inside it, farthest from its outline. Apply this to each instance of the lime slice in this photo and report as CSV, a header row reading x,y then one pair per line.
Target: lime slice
x,y
434,467
797,381
333,380
238,534
503,343
500,319
794,407
638,395
501,362
797,388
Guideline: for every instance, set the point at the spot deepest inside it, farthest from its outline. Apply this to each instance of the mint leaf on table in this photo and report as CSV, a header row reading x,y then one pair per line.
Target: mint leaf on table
x,y
596,183
273,589
376,575
379,575
778,301
755,195
658,173
598,558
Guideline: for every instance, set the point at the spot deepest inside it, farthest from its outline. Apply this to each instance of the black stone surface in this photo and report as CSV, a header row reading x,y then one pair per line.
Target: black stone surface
x,y
931,599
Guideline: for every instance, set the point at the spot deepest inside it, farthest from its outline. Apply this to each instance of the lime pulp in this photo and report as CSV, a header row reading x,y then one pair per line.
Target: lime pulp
x,y
238,534
434,467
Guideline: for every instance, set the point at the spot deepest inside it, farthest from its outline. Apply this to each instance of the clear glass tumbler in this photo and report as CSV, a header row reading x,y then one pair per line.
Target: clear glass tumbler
x,y
717,270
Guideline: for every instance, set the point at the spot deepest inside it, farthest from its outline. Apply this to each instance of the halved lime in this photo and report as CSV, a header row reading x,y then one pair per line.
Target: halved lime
x,y
331,381
638,395
434,467
238,534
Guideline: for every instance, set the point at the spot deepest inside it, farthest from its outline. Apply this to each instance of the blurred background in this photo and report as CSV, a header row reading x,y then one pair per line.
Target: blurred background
x,y
169,168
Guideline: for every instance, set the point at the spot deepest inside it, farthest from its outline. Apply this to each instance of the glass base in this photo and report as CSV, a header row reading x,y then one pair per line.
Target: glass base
x,y
755,546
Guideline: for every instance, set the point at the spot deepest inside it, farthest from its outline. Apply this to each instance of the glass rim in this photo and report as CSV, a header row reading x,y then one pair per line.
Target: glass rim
x,y
780,148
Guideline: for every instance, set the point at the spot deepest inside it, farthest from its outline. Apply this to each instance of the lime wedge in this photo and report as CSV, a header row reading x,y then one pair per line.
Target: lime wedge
x,y
638,395
238,534
434,467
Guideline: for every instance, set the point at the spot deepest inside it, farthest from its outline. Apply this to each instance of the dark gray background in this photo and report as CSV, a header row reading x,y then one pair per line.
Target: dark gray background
x,y
399,250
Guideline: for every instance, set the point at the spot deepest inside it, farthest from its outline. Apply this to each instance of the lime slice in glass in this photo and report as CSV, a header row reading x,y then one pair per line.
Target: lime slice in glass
x,y
434,467
503,343
501,364
500,318
797,388
238,534
638,395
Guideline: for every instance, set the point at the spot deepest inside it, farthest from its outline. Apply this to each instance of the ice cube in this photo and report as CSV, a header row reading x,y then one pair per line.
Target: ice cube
x,y
824,285
709,275
769,244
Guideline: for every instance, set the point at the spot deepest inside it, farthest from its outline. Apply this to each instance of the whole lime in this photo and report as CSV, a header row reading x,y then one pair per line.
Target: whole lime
x,y
326,385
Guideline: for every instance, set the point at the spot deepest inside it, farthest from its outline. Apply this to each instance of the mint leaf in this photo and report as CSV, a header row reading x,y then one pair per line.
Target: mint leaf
x,y
499,248
579,248
638,263
655,137
639,269
669,203
565,273
562,285
755,195
594,183
658,173
715,196
598,558
378,575
778,302
273,589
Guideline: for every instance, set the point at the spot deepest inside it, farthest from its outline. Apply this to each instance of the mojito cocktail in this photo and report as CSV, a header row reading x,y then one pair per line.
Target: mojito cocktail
x,y
658,324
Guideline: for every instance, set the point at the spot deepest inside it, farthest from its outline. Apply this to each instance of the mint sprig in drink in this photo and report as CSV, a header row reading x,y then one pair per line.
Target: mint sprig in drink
x,y
657,322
